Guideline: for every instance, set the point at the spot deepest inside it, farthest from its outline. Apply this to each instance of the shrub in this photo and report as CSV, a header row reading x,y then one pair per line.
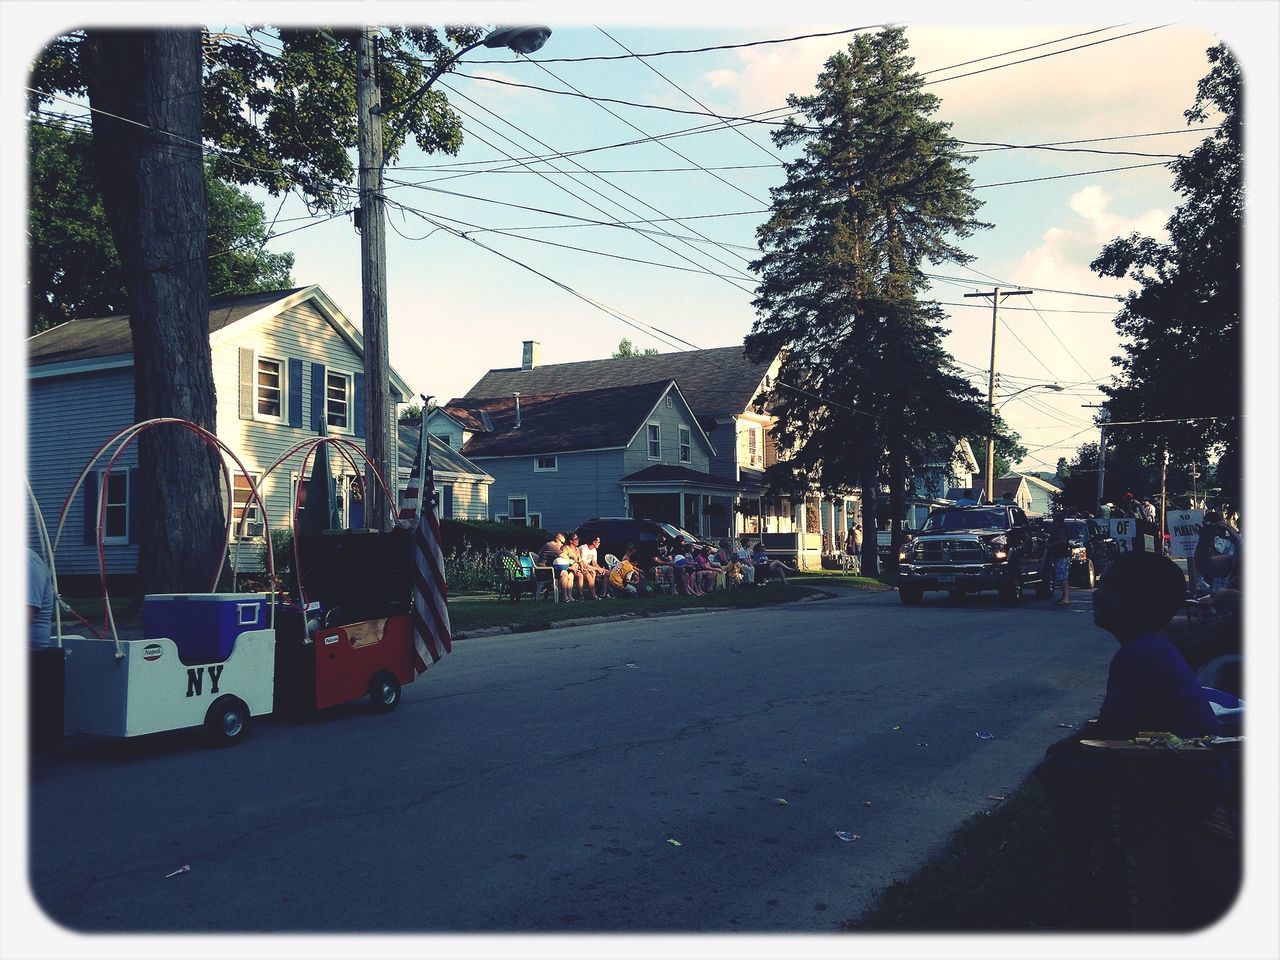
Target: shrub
x,y
487,537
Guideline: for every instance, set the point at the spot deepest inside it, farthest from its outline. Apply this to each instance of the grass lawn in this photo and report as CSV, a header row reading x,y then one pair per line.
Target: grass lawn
x,y
835,578
473,614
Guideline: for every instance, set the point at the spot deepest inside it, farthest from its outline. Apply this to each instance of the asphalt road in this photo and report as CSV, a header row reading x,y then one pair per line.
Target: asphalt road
x,y
535,782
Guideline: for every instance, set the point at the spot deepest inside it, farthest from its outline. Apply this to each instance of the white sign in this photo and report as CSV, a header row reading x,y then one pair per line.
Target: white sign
x,y
1122,531
1184,531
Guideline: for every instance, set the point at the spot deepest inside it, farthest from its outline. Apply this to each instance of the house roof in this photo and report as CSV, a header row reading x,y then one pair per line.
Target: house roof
x,y
716,382
672,473
558,422
1003,487
1039,482
95,337
444,459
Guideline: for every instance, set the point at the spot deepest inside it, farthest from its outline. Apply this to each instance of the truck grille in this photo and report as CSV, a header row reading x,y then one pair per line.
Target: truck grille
x,y
949,551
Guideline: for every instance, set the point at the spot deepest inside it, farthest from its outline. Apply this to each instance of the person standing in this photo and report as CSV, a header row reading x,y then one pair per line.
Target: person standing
x,y
1059,553
45,663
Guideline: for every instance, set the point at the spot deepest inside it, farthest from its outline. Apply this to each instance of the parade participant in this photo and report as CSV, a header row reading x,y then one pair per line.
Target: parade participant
x,y
1059,553
39,603
45,676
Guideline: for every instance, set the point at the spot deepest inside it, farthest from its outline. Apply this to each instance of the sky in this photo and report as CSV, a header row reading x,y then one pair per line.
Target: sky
x,y
456,309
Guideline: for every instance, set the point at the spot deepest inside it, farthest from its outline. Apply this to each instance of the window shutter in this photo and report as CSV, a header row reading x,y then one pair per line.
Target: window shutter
x,y
293,385
134,509
246,383
317,395
448,501
358,414
91,485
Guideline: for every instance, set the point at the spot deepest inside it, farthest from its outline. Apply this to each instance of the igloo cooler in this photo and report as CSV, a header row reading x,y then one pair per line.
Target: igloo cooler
x,y
203,626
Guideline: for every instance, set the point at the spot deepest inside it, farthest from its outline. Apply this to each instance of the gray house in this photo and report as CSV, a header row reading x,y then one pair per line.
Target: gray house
x,y
282,360
719,387
558,458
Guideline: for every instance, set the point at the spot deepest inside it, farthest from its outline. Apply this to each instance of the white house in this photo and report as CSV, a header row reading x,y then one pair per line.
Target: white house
x,y
281,360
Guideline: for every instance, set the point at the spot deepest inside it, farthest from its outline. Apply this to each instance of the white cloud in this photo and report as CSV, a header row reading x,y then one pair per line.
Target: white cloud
x,y
1093,205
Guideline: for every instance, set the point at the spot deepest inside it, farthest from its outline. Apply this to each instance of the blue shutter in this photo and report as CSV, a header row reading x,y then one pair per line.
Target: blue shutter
x,y
91,485
358,415
134,501
447,510
293,384
317,395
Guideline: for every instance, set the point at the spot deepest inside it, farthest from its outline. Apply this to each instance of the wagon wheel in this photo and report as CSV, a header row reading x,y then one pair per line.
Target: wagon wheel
x,y
227,721
384,692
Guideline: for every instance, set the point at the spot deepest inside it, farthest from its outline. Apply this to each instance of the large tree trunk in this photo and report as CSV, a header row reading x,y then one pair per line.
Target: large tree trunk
x,y
151,173
870,493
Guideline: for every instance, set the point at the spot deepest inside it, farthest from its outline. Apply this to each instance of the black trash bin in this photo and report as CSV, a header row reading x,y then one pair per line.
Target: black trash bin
x,y
46,685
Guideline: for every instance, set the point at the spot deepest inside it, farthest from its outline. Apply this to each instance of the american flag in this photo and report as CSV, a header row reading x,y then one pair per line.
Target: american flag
x,y
430,615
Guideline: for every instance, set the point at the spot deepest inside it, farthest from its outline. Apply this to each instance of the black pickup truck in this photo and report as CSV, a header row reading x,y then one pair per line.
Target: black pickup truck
x,y
969,549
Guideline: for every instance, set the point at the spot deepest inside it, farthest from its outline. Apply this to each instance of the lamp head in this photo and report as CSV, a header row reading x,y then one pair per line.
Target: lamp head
x,y
522,39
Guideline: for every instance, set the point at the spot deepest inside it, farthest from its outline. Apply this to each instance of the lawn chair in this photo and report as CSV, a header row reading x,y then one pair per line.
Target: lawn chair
x,y
547,584
513,579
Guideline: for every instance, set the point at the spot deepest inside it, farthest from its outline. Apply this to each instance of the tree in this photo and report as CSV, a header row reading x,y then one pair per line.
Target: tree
x,y
1181,327
625,350
73,267
865,392
280,114
1008,449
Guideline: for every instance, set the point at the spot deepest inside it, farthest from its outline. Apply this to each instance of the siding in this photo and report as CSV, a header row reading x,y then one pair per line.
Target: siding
x,y
300,332
669,418
68,418
585,485
470,497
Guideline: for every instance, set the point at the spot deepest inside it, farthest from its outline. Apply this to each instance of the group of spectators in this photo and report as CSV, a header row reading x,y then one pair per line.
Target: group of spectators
x,y
680,566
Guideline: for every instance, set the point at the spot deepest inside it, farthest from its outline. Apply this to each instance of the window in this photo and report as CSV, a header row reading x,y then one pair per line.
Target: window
x,y
752,445
670,401
545,464
446,439
535,520
115,495
270,389
655,442
517,511
244,507
685,444
337,400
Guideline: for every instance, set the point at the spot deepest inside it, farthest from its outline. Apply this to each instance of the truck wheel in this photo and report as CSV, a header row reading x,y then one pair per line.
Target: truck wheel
x,y
227,721
910,595
384,692
1044,586
1011,592
957,596
1090,575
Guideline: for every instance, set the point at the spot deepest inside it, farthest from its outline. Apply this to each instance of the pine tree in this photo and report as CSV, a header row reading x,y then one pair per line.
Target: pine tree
x,y
866,391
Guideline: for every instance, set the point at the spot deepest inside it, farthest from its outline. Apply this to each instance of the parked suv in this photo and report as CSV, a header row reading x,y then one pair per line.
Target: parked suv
x,y
1092,548
969,549
616,532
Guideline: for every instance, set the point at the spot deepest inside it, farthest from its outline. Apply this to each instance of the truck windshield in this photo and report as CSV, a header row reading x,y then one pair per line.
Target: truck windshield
x,y
965,520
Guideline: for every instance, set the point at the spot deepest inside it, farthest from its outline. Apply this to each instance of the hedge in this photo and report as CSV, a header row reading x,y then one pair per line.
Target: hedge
x,y
486,536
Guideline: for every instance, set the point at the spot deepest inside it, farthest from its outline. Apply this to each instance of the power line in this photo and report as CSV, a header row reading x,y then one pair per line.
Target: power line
x,y
561,187
1065,176
666,53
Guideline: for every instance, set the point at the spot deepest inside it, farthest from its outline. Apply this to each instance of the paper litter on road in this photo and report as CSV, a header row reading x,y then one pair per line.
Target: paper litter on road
x,y
185,868
922,744
674,842
866,803
985,735
897,727
846,836
1066,725
994,796
780,801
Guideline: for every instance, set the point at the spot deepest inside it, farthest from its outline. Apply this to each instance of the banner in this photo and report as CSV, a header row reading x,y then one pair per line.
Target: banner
x,y
1184,532
1122,531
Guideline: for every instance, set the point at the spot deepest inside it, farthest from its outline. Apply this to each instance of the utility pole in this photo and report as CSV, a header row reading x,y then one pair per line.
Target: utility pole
x,y
996,296
1164,510
373,278
1102,454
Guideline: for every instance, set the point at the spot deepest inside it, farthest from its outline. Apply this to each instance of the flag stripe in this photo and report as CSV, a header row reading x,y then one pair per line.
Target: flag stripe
x,y
432,632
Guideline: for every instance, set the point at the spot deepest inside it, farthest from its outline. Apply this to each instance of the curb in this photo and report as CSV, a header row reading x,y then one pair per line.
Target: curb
x,y
619,618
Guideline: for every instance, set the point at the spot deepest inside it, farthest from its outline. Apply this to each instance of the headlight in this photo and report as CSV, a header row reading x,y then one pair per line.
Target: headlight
x,y
1078,553
998,546
1000,553
904,551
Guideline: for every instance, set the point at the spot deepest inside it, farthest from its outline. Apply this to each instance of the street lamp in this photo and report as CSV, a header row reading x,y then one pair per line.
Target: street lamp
x,y
1034,386
373,238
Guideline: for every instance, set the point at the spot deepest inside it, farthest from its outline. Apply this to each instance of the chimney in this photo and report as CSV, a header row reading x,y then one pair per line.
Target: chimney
x,y
529,359
517,424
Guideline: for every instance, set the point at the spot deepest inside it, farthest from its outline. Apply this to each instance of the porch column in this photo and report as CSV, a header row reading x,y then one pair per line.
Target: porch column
x,y
680,498
831,525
